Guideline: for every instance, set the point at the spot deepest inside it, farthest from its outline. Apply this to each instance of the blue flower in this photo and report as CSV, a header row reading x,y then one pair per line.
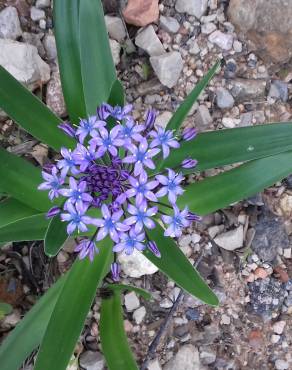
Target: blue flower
x,y
141,216
120,113
84,157
68,163
107,141
53,183
130,131
176,222
76,218
86,248
129,242
89,127
141,189
165,139
76,192
170,185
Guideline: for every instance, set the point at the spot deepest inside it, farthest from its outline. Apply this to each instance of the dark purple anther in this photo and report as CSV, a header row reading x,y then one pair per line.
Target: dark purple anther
x,y
193,217
189,134
189,163
116,270
48,167
53,212
153,248
150,119
67,128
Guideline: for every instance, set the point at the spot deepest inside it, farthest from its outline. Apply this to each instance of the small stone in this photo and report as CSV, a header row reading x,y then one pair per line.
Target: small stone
x,y
187,358
194,48
40,153
287,253
9,24
192,7
224,99
154,365
136,264
281,274
139,314
193,314
37,14
202,118
208,28
207,357
247,90
166,303
222,40
54,96
163,119
167,67
149,42
131,301
279,326
275,338
255,339
91,361
279,90
281,365
49,43
169,24
11,320
115,28
43,24
141,12
225,320
230,122
116,50
231,240
237,46
260,273
41,4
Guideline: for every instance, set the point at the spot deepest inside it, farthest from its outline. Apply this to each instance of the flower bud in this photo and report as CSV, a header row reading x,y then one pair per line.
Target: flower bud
x,y
150,119
189,134
53,212
67,128
115,270
193,217
189,163
154,249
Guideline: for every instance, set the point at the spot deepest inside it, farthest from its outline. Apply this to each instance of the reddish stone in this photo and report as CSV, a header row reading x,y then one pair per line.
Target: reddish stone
x,y
260,273
255,338
141,12
281,274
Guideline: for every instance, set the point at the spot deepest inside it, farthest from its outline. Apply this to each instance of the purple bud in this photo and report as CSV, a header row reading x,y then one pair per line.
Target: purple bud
x,y
150,119
153,248
115,269
67,128
193,217
189,134
53,212
103,111
189,163
48,167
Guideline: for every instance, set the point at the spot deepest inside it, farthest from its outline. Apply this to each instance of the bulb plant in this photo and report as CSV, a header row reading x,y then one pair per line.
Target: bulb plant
x,y
117,185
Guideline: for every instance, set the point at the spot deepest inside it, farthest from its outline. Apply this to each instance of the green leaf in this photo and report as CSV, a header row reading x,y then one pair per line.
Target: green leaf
x,y
20,179
177,267
30,113
71,309
29,332
12,210
56,236
25,229
242,182
183,110
117,95
219,148
97,67
124,287
66,20
113,339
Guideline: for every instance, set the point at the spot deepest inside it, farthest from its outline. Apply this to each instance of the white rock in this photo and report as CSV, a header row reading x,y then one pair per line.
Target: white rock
x,y
207,357
92,361
37,14
208,28
154,365
43,24
168,67
196,238
41,4
287,253
115,28
163,119
54,95
131,301
281,365
115,49
139,314
149,42
194,48
225,320
187,358
275,338
224,99
9,24
169,24
222,40
237,46
230,240
279,326
193,7
136,265
202,117
49,43
24,63
11,320
230,122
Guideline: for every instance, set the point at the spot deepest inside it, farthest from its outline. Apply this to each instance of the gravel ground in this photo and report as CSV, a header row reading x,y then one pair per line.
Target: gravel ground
x,y
243,251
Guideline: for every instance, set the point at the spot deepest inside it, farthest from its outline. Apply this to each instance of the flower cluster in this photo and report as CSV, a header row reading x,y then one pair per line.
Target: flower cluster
x,y
113,169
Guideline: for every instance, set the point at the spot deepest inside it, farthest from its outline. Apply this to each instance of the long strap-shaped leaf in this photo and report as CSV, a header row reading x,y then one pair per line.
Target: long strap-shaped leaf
x,y
56,236
114,342
66,19
97,67
20,179
183,110
12,210
177,267
25,229
30,113
70,312
244,181
29,332
219,148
